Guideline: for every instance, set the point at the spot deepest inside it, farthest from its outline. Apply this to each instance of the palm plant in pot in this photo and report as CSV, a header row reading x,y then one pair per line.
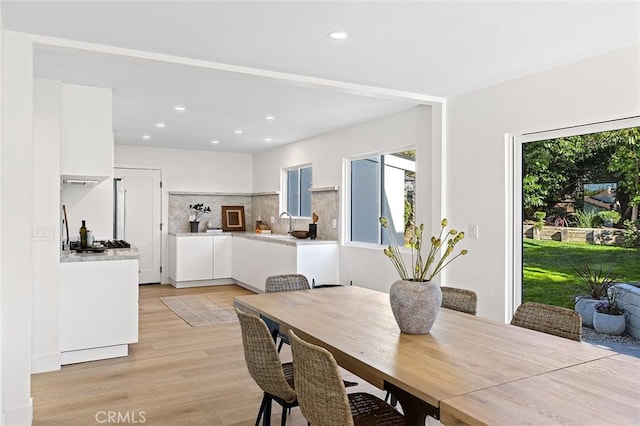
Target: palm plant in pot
x,y
597,282
415,299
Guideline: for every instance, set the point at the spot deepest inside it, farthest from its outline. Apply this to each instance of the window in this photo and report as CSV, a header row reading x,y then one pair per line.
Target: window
x,y
382,185
298,197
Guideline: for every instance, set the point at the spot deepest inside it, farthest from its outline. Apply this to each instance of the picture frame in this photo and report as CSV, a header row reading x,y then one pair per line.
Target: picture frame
x,y
233,218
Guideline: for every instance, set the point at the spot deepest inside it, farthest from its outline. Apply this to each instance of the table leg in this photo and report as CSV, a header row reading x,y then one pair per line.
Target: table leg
x,y
415,410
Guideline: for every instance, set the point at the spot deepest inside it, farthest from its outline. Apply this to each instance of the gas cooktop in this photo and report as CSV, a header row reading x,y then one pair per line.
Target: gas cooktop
x,y
110,244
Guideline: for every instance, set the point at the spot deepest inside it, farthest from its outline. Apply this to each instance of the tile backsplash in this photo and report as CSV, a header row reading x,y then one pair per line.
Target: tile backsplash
x,y
325,203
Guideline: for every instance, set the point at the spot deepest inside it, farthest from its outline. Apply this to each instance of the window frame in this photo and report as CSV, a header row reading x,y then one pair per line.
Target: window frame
x,y
345,235
284,189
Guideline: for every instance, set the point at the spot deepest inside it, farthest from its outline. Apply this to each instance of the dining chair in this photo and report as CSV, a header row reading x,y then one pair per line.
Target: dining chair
x,y
264,365
549,319
285,282
459,299
323,397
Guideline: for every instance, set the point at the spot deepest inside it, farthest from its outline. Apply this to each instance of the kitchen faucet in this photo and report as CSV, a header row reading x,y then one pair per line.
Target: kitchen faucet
x,y
290,220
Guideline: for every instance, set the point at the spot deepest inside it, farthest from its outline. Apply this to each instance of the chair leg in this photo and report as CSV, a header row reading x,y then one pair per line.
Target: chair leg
x,y
393,401
267,413
280,345
283,422
261,411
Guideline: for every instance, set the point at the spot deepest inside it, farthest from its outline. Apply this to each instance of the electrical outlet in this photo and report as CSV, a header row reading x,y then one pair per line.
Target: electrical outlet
x,y
273,220
474,231
334,223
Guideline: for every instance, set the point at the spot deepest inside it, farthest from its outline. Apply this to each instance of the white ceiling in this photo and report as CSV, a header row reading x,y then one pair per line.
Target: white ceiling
x,y
426,48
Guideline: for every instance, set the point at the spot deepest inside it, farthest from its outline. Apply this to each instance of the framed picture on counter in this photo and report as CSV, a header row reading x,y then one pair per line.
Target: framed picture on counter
x,y
232,218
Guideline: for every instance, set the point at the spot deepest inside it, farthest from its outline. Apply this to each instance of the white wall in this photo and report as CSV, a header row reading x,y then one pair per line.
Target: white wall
x,y
93,204
45,350
16,260
2,415
364,266
602,88
189,170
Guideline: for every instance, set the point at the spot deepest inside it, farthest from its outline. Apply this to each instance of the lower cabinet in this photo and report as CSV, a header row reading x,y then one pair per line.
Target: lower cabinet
x,y
98,309
254,260
202,260
199,260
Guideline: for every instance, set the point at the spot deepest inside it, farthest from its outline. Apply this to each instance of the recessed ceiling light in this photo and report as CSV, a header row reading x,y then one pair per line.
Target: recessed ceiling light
x,y
160,125
268,139
215,142
237,132
146,137
179,108
269,117
337,35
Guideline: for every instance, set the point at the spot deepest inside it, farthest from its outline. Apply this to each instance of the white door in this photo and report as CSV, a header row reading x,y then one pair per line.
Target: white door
x,y
138,215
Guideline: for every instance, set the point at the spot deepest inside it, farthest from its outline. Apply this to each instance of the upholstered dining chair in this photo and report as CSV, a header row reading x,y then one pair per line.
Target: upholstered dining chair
x,y
274,378
285,282
322,396
459,299
549,319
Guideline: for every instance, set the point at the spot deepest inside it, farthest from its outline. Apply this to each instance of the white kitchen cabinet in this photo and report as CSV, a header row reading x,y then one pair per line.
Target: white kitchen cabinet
x,y
282,259
255,258
222,256
257,263
86,132
98,309
240,270
197,260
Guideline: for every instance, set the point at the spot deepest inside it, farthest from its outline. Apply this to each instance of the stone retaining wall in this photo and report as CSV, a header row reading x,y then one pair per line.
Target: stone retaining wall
x,y
609,236
629,300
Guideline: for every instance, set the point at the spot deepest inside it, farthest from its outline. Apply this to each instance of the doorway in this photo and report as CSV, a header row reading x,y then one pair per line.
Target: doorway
x,y
137,217
522,199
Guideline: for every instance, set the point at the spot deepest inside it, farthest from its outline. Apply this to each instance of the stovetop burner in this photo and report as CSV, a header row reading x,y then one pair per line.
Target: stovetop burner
x,y
110,244
116,244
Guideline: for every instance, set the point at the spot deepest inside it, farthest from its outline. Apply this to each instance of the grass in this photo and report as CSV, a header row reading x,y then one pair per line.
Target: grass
x,y
549,275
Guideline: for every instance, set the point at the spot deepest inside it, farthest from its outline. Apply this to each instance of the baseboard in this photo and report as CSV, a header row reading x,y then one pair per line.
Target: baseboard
x,y
45,362
19,416
94,354
201,283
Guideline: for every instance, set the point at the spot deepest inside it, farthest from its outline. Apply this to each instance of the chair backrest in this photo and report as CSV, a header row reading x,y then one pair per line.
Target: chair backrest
x,y
321,393
286,282
459,299
262,358
549,319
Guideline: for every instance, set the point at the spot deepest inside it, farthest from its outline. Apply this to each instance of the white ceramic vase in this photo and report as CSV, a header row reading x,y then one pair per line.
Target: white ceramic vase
x,y
415,305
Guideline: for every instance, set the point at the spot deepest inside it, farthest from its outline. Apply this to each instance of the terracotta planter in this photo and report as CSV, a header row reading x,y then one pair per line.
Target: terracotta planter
x,y
609,324
415,305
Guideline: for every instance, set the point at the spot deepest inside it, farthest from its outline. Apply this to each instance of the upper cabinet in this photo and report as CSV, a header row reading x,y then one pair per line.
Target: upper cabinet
x,y
86,132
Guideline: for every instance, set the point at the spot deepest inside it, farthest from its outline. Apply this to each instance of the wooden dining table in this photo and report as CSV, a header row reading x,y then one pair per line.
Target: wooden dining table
x,y
449,372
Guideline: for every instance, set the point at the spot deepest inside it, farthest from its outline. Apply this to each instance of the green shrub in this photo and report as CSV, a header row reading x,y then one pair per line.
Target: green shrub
x,y
631,233
587,219
609,216
539,216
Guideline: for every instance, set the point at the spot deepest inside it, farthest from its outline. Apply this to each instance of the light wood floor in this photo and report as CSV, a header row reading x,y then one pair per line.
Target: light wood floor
x,y
174,375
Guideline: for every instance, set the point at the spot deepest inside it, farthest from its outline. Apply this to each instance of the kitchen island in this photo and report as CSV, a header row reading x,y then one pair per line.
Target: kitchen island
x,y
98,304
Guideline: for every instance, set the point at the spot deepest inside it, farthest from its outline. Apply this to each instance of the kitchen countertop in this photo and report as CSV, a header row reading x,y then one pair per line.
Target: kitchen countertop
x,y
109,254
273,238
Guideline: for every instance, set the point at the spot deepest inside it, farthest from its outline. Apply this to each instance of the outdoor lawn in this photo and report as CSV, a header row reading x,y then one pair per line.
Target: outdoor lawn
x,y
549,274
